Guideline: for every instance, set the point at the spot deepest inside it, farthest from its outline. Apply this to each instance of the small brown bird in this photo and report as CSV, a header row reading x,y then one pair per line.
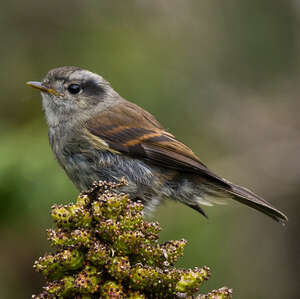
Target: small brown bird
x,y
95,134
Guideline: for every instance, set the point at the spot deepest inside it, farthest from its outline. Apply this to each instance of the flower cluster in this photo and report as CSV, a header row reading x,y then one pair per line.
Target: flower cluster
x,y
105,249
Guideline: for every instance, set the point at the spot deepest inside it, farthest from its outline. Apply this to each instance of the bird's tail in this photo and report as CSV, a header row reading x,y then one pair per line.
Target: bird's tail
x,y
252,200
216,190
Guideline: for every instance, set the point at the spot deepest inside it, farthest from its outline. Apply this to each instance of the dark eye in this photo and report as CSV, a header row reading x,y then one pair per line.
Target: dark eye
x,y
74,88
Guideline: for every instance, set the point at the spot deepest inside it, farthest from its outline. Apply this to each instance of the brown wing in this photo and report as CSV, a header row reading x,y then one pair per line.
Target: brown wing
x,y
128,129
137,133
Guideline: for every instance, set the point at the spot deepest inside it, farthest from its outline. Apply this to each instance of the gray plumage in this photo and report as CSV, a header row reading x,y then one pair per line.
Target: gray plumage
x,y
95,134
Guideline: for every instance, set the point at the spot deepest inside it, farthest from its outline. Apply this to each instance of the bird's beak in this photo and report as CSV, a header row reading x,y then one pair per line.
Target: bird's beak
x,y
41,87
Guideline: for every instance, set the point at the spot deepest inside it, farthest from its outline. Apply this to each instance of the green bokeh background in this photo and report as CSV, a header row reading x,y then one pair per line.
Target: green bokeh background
x,y
223,76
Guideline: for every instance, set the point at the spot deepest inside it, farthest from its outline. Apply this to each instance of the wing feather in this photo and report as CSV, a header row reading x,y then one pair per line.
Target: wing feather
x,y
128,129
136,133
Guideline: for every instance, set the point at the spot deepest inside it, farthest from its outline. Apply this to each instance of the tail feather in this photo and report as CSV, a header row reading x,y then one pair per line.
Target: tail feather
x,y
252,200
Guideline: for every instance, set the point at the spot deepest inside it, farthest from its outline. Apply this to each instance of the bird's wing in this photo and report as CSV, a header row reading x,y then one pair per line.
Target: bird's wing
x,y
128,129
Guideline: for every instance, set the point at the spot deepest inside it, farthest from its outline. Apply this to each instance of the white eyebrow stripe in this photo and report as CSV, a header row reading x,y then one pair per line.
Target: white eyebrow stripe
x,y
86,75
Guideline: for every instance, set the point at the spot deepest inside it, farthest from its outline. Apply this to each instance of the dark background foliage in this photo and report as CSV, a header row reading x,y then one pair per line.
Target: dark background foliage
x,y
223,76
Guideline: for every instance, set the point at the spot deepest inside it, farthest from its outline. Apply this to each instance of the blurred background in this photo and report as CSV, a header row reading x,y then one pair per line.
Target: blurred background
x,y
222,76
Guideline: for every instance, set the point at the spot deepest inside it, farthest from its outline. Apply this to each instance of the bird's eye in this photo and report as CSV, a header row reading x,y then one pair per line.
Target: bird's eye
x,y
74,88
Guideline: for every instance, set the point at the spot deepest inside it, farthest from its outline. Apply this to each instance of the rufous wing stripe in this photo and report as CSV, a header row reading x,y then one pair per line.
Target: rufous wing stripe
x,y
142,138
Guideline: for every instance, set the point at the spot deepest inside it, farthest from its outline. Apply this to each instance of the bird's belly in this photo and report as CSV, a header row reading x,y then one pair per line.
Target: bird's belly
x,y
85,168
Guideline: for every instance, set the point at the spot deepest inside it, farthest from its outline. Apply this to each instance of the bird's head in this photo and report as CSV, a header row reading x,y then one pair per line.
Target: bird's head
x,y
71,92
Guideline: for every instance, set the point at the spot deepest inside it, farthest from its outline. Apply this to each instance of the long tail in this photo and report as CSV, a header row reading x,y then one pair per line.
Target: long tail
x,y
252,200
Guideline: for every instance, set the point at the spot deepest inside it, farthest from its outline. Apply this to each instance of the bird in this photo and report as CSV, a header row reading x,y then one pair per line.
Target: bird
x,y
96,135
